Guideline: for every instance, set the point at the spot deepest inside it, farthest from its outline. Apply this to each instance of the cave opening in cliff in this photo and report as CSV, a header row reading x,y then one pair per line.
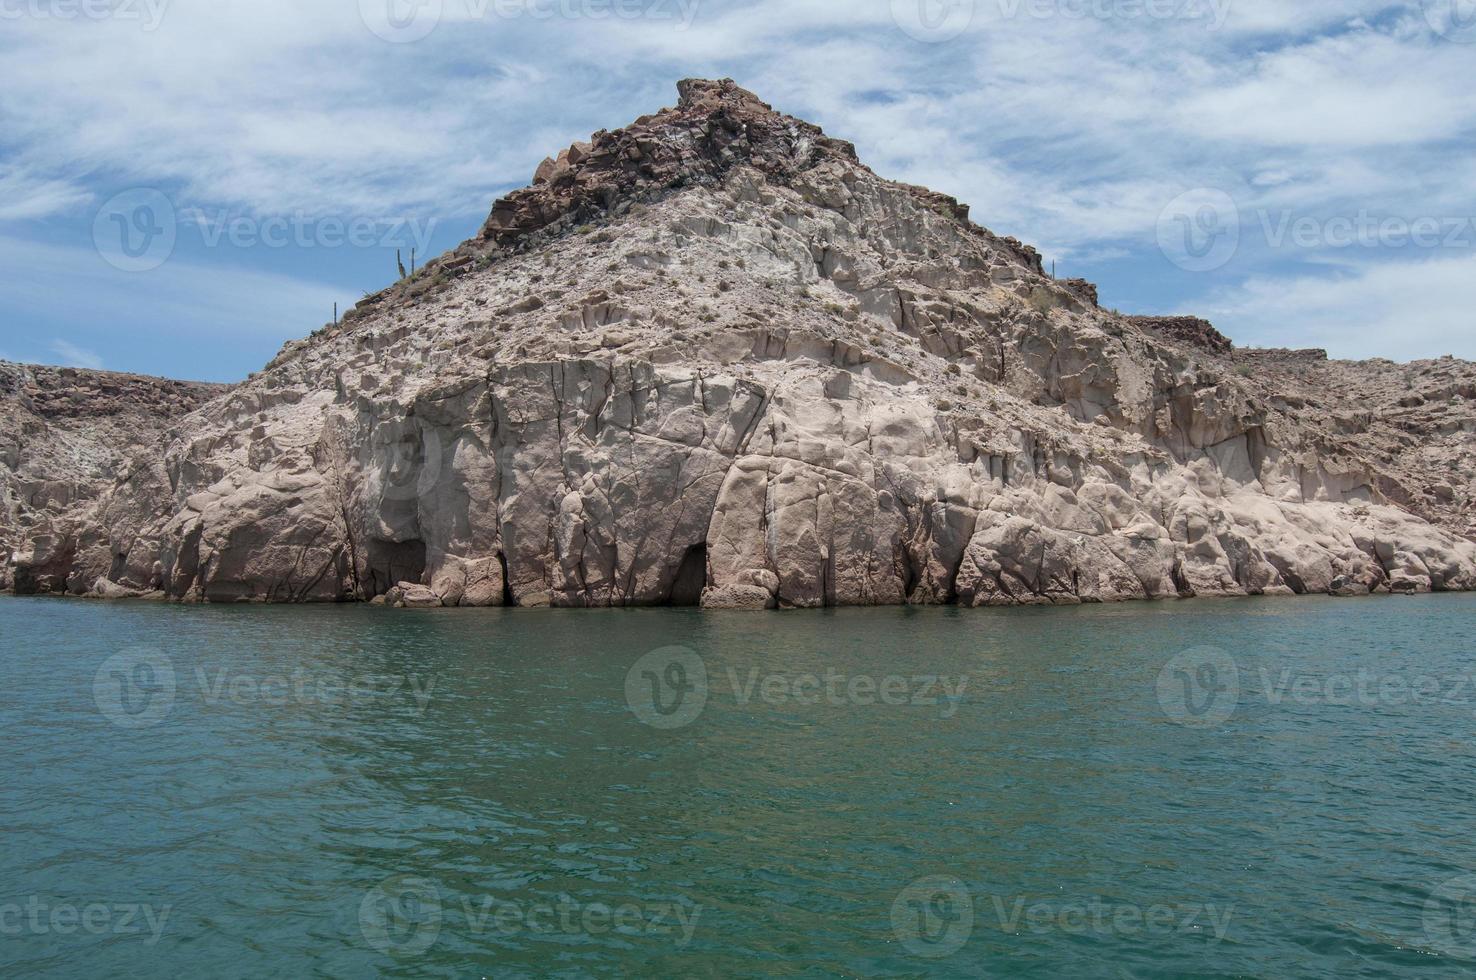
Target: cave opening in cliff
x,y
691,577
392,562
507,592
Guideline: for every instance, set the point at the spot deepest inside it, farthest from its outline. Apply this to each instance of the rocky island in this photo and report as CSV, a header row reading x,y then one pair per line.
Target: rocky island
x,y
712,358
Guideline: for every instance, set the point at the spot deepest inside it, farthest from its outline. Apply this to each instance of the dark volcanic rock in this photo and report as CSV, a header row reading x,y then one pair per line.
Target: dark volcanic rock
x,y
715,127
1188,329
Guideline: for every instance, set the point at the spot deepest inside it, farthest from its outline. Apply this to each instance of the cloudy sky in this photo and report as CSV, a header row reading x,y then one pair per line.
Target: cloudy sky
x,y
186,184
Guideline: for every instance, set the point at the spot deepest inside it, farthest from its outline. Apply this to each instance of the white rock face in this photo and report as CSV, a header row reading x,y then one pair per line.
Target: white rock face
x,y
712,358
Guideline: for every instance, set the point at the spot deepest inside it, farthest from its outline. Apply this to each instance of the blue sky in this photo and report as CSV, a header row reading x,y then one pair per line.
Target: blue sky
x,y
1302,173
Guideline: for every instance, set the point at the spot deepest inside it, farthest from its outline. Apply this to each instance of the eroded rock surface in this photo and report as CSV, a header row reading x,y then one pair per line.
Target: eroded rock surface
x,y
713,358
66,436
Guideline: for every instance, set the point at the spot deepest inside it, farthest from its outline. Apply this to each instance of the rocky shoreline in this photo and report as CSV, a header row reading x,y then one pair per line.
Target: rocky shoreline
x,y
712,358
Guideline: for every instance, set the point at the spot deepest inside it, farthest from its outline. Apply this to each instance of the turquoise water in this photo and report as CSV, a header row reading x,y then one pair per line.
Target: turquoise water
x,y
1217,788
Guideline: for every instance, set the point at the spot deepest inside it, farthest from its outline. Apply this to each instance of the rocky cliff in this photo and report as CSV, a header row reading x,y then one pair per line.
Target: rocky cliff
x,y
713,358
66,436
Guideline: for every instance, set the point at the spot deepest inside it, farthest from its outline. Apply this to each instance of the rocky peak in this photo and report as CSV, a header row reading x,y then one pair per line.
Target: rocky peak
x,y
715,126
705,95
1190,330
770,378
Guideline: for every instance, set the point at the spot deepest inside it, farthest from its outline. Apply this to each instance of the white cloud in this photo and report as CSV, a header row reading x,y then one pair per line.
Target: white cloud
x,y
1070,132
1403,310
73,356
1351,91
25,196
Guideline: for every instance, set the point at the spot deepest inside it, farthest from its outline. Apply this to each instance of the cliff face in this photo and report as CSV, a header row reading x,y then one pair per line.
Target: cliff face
x,y
66,435
711,357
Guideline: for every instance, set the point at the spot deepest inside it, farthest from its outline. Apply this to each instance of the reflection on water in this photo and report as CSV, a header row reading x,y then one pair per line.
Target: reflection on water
x,y
1218,788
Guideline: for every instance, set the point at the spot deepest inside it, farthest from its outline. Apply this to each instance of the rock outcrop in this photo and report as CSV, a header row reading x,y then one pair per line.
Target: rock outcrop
x,y
1189,329
66,436
712,358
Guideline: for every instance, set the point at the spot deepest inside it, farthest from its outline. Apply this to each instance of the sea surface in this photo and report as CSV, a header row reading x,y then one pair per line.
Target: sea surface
x,y
1210,788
